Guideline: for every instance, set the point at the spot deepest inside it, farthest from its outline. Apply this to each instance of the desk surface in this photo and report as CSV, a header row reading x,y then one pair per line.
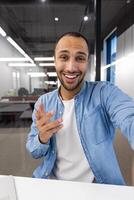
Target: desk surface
x,y
14,108
16,102
33,189
27,114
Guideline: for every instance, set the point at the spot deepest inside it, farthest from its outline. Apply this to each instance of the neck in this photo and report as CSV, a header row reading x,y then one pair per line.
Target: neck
x,y
67,94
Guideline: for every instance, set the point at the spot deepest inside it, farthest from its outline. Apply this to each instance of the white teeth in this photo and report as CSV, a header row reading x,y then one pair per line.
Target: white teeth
x,y
70,76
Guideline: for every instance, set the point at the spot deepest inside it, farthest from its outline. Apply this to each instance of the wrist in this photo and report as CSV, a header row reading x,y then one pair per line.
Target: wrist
x,y
42,142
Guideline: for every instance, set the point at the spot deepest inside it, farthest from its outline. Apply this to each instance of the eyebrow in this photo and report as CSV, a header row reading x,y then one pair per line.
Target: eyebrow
x,y
79,52
83,53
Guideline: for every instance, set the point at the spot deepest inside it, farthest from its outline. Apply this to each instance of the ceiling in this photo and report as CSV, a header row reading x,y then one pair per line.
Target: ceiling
x,y
31,22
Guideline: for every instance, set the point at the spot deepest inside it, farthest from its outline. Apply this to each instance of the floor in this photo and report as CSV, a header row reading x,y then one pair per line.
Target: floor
x,y
14,158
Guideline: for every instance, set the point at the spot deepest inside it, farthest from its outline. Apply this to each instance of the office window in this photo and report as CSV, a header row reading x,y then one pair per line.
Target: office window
x,y
111,49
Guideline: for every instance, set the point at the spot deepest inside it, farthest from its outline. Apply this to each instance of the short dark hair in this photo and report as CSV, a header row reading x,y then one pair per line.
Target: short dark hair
x,y
73,34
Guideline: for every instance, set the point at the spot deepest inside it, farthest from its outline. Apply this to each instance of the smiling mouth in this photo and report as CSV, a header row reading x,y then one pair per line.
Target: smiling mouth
x,y
71,76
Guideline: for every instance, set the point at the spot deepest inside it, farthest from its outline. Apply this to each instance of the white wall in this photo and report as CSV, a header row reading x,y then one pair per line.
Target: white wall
x,y
6,82
5,71
24,78
125,69
90,75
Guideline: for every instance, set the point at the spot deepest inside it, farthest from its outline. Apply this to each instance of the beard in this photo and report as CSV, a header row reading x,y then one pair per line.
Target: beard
x,y
71,86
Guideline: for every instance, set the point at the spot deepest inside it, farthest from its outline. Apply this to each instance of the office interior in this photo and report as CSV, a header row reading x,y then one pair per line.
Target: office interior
x,y
28,32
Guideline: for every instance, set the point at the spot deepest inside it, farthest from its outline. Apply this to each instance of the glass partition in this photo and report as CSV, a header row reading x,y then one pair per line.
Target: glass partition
x,y
28,32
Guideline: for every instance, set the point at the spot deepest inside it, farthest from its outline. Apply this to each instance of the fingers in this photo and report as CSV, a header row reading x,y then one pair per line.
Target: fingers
x,y
43,128
54,124
46,127
40,111
48,116
54,130
44,119
44,116
44,137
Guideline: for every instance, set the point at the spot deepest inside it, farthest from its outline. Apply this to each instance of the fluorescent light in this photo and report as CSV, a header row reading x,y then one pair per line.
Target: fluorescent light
x,y
30,59
51,82
2,32
44,58
12,42
13,59
22,65
36,74
46,64
52,74
85,18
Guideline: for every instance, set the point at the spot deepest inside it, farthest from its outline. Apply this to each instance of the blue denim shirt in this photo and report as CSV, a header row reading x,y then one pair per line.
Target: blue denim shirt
x,y
100,108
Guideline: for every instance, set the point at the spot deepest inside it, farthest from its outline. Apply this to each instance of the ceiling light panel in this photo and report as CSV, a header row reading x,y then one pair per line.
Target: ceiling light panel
x,y
13,43
36,74
51,82
22,65
44,58
46,64
52,74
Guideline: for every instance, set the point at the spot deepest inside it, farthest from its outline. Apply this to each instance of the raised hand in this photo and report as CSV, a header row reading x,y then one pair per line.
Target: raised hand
x,y
46,127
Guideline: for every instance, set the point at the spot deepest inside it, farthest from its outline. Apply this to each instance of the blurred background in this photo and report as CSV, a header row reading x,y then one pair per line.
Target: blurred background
x,y
28,32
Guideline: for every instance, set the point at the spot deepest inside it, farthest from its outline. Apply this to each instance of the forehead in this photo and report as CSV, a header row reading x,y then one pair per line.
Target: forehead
x,y
71,43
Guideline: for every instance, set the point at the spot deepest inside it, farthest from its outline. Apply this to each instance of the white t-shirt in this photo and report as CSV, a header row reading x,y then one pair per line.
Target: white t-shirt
x,y
71,163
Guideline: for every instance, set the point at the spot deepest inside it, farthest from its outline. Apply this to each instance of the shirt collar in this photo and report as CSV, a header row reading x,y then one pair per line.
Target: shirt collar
x,y
81,91
76,96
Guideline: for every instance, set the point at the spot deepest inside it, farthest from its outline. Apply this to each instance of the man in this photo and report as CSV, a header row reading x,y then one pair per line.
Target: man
x,y
74,126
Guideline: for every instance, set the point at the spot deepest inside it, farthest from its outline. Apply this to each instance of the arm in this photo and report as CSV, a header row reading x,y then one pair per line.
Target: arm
x,y
42,130
33,145
120,108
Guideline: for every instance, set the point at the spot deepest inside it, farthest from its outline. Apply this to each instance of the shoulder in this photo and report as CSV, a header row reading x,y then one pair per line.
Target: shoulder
x,y
47,98
101,89
97,86
49,95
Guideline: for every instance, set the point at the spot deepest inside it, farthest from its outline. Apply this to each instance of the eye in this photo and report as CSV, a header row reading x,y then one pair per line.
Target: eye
x,y
81,58
63,57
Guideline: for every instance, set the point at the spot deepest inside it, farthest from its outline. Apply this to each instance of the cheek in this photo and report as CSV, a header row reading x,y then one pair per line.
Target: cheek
x,y
59,66
83,68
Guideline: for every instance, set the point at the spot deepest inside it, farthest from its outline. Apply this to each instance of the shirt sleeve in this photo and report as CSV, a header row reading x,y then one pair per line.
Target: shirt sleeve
x,y
120,108
33,145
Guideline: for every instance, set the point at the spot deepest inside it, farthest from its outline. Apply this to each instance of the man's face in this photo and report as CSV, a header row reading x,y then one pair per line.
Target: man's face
x,y
71,60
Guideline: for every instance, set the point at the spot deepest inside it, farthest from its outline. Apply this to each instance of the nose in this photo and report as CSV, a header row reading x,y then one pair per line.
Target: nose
x,y
71,65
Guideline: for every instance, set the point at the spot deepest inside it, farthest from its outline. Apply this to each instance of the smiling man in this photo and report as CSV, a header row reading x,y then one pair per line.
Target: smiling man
x,y
74,126
71,60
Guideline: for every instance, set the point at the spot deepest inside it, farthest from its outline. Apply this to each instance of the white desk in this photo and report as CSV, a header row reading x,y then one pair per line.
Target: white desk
x,y
40,189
